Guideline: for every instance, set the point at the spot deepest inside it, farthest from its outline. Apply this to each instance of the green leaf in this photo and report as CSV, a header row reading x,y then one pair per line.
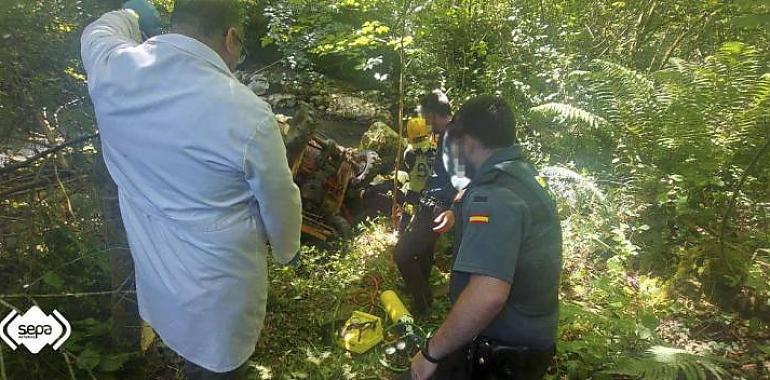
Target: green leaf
x,y
752,4
54,280
732,47
266,41
650,321
752,21
88,359
114,362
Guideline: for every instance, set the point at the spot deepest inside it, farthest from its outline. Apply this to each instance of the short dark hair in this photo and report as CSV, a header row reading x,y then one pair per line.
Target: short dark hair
x,y
208,17
487,118
435,102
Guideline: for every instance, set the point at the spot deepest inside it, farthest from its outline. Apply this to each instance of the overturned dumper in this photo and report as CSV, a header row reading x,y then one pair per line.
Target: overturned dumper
x,y
326,173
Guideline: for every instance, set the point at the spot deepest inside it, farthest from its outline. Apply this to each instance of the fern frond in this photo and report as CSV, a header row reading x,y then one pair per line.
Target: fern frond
x,y
634,81
680,65
579,75
633,92
568,184
667,363
757,110
569,113
762,92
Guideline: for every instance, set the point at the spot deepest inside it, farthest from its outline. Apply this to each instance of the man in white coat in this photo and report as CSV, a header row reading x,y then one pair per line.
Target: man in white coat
x,y
202,173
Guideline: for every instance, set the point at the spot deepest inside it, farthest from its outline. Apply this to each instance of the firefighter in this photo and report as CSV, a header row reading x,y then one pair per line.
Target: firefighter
x,y
418,162
418,158
414,251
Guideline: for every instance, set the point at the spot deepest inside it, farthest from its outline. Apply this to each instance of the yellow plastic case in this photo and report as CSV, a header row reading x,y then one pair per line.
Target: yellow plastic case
x,y
361,332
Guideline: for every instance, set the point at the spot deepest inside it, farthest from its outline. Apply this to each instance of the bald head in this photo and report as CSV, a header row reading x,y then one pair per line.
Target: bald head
x,y
216,23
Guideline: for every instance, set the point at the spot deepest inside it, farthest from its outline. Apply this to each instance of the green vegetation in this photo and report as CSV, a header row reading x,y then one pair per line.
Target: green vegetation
x,y
649,119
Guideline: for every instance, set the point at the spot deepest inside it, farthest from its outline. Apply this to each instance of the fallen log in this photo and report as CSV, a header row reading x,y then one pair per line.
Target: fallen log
x,y
19,165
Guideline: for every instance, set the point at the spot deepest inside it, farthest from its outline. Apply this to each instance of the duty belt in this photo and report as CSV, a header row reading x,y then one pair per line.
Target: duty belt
x,y
489,359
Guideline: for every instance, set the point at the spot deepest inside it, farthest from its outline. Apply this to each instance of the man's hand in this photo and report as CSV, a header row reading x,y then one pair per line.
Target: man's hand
x,y
396,212
421,368
149,18
444,222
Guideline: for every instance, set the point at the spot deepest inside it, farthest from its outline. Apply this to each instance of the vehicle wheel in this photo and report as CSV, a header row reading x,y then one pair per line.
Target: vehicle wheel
x,y
371,168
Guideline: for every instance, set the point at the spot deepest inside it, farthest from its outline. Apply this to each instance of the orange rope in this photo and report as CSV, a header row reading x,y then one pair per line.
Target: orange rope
x,y
374,294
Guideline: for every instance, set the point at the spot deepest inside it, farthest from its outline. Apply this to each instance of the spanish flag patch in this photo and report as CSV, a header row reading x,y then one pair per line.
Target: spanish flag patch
x,y
479,219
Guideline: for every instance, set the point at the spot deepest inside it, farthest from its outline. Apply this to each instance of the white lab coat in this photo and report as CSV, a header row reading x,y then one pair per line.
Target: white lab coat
x,y
203,181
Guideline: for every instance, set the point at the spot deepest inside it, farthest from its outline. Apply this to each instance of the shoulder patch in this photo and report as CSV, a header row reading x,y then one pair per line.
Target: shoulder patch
x,y
479,219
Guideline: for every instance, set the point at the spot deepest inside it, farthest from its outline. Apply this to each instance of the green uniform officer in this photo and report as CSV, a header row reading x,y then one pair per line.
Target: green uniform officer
x,y
505,278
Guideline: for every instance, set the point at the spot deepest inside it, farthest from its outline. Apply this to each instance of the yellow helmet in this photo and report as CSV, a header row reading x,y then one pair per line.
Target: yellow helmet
x,y
416,129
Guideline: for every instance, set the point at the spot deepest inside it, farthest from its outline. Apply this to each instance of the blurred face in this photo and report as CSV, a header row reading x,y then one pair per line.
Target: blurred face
x,y
434,122
461,157
468,149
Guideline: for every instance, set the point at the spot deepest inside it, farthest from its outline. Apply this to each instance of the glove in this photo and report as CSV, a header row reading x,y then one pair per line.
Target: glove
x,y
149,18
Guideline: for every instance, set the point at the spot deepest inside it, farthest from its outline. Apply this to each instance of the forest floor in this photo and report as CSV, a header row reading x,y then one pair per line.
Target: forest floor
x,y
307,304
611,314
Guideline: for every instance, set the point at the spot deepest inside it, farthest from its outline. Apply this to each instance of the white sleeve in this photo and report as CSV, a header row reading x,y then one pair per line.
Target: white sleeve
x,y
268,174
110,33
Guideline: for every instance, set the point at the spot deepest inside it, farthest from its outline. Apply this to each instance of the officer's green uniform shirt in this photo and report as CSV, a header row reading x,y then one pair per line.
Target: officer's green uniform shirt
x,y
508,229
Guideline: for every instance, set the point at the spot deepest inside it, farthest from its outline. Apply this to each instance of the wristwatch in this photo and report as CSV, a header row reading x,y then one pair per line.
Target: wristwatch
x,y
426,355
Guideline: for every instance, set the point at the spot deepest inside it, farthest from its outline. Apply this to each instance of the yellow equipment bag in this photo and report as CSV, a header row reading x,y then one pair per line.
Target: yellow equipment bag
x,y
361,332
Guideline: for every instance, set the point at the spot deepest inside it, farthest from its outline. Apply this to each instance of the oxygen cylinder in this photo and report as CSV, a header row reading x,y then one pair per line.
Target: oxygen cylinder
x,y
396,310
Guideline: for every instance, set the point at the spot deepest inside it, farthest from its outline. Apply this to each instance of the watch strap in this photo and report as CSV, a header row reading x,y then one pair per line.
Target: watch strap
x,y
426,354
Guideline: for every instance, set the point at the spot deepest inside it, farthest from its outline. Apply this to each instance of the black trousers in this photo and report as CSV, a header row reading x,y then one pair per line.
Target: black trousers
x,y
457,367
414,257
193,371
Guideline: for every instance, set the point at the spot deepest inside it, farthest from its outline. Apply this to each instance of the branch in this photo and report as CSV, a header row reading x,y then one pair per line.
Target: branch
x,y
402,67
69,366
702,21
68,263
8,305
35,185
640,31
65,295
2,365
18,165
733,200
